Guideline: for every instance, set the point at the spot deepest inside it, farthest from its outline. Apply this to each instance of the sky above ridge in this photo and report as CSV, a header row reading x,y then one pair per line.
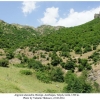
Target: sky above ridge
x,y
55,13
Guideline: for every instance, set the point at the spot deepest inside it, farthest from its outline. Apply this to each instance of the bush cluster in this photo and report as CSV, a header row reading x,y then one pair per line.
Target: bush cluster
x,y
83,64
4,62
76,84
95,56
54,74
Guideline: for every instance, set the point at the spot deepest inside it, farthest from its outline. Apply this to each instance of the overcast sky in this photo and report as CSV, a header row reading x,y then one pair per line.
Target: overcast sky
x,y
55,13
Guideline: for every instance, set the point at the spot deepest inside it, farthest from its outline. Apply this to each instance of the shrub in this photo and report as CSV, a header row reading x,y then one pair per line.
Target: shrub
x,y
26,72
76,84
10,55
83,64
94,47
69,65
69,76
34,57
62,64
96,87
88,66
86,88
19,57
50,54
57,75
47,58
87,48
43,76
25,59
80,68
65,54
78,50
74,87
56,61
35,64
82,61
4,63
95,56
95,59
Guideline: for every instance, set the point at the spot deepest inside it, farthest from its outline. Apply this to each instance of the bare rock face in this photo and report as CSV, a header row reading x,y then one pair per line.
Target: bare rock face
x,y
97,15
94,75
22,26
47,29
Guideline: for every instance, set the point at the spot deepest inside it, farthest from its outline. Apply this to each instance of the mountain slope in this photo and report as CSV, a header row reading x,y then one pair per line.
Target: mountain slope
x,y
11,35
82,37
53,54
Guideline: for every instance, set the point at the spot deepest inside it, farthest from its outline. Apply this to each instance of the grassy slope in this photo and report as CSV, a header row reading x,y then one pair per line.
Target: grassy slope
x,y
11,81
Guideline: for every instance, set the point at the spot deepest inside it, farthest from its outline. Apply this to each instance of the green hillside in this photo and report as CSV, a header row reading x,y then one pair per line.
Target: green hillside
x,y
53,59
81,37
12,35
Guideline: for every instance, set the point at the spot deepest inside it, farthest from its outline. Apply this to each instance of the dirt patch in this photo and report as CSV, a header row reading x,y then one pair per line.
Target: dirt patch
x,y
42,59
25,51
85,55
14,61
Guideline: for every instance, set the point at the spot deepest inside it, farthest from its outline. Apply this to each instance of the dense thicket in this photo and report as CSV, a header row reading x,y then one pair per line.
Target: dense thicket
x,y
81,38
79,84
12,36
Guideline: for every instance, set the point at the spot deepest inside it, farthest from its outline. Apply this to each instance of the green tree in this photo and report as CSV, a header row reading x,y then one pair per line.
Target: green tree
x,y
35,64
57,75
70,65
43,76
82,61
77,84
80,67
69,77
56,61
65,54
78,50
10,55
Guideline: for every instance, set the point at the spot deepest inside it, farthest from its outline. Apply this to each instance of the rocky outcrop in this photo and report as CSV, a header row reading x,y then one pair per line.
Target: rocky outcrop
x,y
97,15
14,61
94,75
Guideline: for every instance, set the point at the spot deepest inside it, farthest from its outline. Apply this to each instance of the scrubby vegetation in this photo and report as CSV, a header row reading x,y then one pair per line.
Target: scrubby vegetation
x,y
4,63
95,56
77,84
82,39
55,56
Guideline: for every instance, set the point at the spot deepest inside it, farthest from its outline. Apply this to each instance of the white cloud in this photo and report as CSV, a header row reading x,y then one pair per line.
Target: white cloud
x,y
50,16
74,18
28,7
